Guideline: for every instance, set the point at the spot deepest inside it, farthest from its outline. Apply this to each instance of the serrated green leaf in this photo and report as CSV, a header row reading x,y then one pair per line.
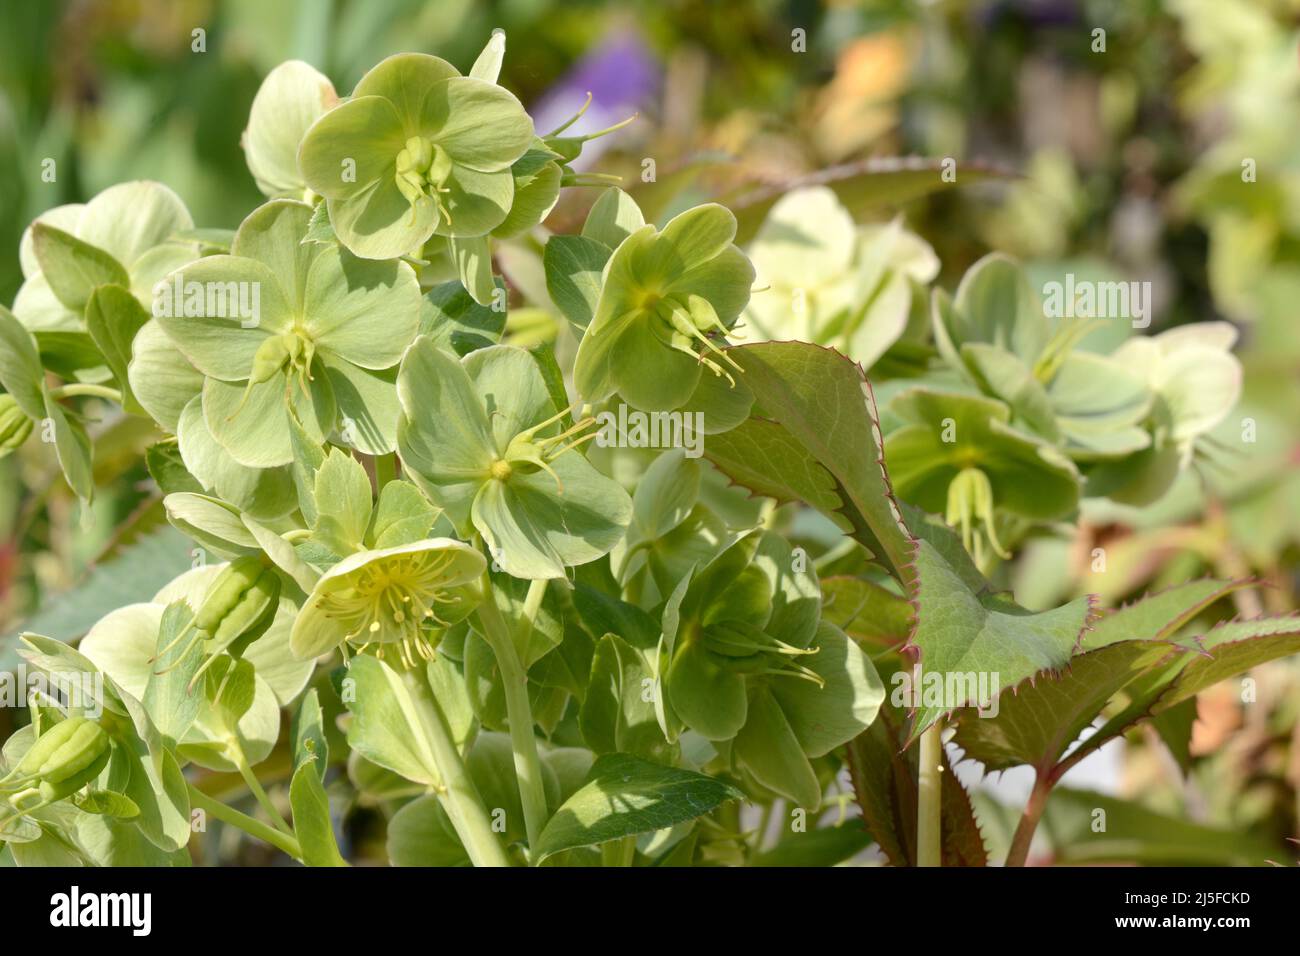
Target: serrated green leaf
x,y
814,436
962,632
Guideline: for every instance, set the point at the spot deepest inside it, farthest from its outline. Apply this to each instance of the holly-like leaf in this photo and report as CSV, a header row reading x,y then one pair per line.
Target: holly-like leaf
x,y
959,631
814,436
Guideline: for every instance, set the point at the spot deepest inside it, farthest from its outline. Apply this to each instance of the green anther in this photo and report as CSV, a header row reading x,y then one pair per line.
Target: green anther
x,y
15,426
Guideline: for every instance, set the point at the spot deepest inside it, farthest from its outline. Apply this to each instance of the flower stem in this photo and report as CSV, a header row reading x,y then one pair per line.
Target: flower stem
x,y
458,795
82,388
519,712
255,787
1024,836
255,828
928,806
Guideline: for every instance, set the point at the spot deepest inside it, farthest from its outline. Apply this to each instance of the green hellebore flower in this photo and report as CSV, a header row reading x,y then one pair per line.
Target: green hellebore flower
x,y
388,598
281,327
828,280
1192,371
745,657
745,613
497,460
664,295
127,235
959,457
15,426
417,149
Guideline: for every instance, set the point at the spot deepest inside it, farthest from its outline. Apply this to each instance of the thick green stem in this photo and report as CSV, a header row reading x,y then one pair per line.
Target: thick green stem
x,y
82,388
458,796
251,826
519,713
928,806
1024,836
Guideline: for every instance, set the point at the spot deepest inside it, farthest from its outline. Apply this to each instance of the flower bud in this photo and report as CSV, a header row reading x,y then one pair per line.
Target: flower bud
x,y
15,426
250,616
227,590
64,758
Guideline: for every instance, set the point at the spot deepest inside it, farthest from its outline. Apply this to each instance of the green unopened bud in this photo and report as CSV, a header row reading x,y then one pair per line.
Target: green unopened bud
x,y
250,617
15,426
69,754
227,591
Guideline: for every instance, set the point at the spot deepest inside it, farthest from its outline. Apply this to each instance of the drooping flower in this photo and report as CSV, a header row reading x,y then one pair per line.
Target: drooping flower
x,y
668,299
389,598
957,455
134,234
745,657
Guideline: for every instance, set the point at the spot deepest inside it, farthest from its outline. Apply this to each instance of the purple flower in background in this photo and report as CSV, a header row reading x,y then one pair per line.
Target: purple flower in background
x,y
622,76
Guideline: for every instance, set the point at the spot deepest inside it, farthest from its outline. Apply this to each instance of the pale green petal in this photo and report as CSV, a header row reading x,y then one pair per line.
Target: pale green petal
x,y
511,388
63,217
479,124
217,342
362,310
162,379
405,80
806,241
368,409
352,146
129,219
292,97
535,530
477,202
272,234
379,223
690,238
40,310
261,492
258,434
650,375
449,453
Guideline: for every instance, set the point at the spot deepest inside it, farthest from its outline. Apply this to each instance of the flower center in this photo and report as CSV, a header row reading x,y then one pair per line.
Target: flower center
x,y
970,509
390,601
422,170
685,325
